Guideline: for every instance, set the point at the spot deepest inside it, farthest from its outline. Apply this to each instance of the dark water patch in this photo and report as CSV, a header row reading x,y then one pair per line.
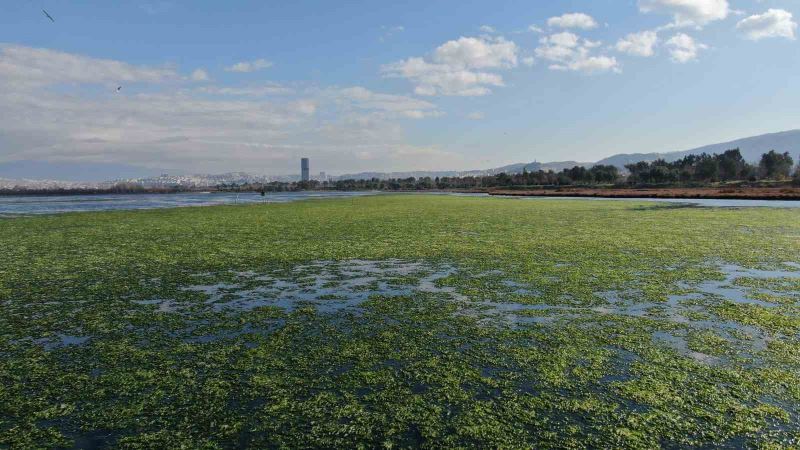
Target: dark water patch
x,y
95,439
490,297
621,362
745,285
161,305
201,336
329,286
58,341
627,302
680,345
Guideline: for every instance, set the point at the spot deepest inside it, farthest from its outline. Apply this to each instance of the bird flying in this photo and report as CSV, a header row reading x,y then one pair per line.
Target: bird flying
x,y
119,88
49,16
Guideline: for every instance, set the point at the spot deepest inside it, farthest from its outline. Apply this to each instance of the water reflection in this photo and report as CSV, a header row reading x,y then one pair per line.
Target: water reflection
x,y
49,204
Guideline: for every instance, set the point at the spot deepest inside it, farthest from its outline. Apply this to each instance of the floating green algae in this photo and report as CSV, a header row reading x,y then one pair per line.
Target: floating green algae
x,y
398,321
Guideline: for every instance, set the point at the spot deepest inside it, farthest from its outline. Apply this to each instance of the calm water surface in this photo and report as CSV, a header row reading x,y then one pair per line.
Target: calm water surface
x,y
51,204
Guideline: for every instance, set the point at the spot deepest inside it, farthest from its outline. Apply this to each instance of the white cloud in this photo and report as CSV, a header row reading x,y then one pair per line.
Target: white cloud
x,y
199,75
486,29
683,48
773,23
388,105
589,64
28,65
528,61
61,116
441,79
142,129
249,66
558,47
573,20
638,44
459,67
591,44
477,53
535,29
258,90
477,115
688,12
567,51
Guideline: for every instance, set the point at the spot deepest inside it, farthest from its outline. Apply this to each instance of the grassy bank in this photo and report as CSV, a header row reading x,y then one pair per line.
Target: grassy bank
x,y
399,321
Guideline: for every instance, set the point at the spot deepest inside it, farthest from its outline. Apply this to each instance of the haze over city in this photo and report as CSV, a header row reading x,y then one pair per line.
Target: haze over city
x,y
206,87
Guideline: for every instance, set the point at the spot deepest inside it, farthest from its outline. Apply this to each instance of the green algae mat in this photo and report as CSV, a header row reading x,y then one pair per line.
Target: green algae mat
x,y
402,321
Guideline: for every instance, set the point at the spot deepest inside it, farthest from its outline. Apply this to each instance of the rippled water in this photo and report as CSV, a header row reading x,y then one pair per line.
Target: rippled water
x,y
49,204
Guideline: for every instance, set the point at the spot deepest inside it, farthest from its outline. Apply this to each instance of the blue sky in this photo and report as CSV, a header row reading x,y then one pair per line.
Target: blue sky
x,y
219,86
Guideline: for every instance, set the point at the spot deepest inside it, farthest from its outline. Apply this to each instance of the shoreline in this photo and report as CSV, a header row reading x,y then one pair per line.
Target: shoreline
x,y
780,193
748,193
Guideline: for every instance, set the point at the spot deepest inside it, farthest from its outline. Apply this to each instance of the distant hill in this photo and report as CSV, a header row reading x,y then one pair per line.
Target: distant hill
x,y
511,168
751,147
536,166
28,172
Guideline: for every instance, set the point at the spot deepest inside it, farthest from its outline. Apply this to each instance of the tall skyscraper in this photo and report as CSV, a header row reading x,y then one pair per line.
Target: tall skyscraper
x,y
304,169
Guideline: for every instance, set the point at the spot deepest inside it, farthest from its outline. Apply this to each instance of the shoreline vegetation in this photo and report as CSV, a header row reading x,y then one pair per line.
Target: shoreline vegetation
x,y
716,176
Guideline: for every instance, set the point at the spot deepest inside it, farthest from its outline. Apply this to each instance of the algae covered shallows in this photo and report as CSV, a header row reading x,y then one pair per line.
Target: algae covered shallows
x,y
399,321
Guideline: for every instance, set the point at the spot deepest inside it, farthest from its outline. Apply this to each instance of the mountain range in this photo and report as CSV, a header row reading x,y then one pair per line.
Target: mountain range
x,y
751,148
31,173
511,168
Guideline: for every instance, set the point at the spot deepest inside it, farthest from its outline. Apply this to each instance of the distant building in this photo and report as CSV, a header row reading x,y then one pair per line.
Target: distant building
x,y
304,170
323,176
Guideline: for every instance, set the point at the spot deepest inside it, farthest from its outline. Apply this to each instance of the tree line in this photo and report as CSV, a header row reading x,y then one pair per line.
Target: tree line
x,y
705,168
689,170
700,169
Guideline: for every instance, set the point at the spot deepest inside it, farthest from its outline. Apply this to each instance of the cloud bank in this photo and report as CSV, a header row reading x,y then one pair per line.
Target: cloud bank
x,y
463,67
59,106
